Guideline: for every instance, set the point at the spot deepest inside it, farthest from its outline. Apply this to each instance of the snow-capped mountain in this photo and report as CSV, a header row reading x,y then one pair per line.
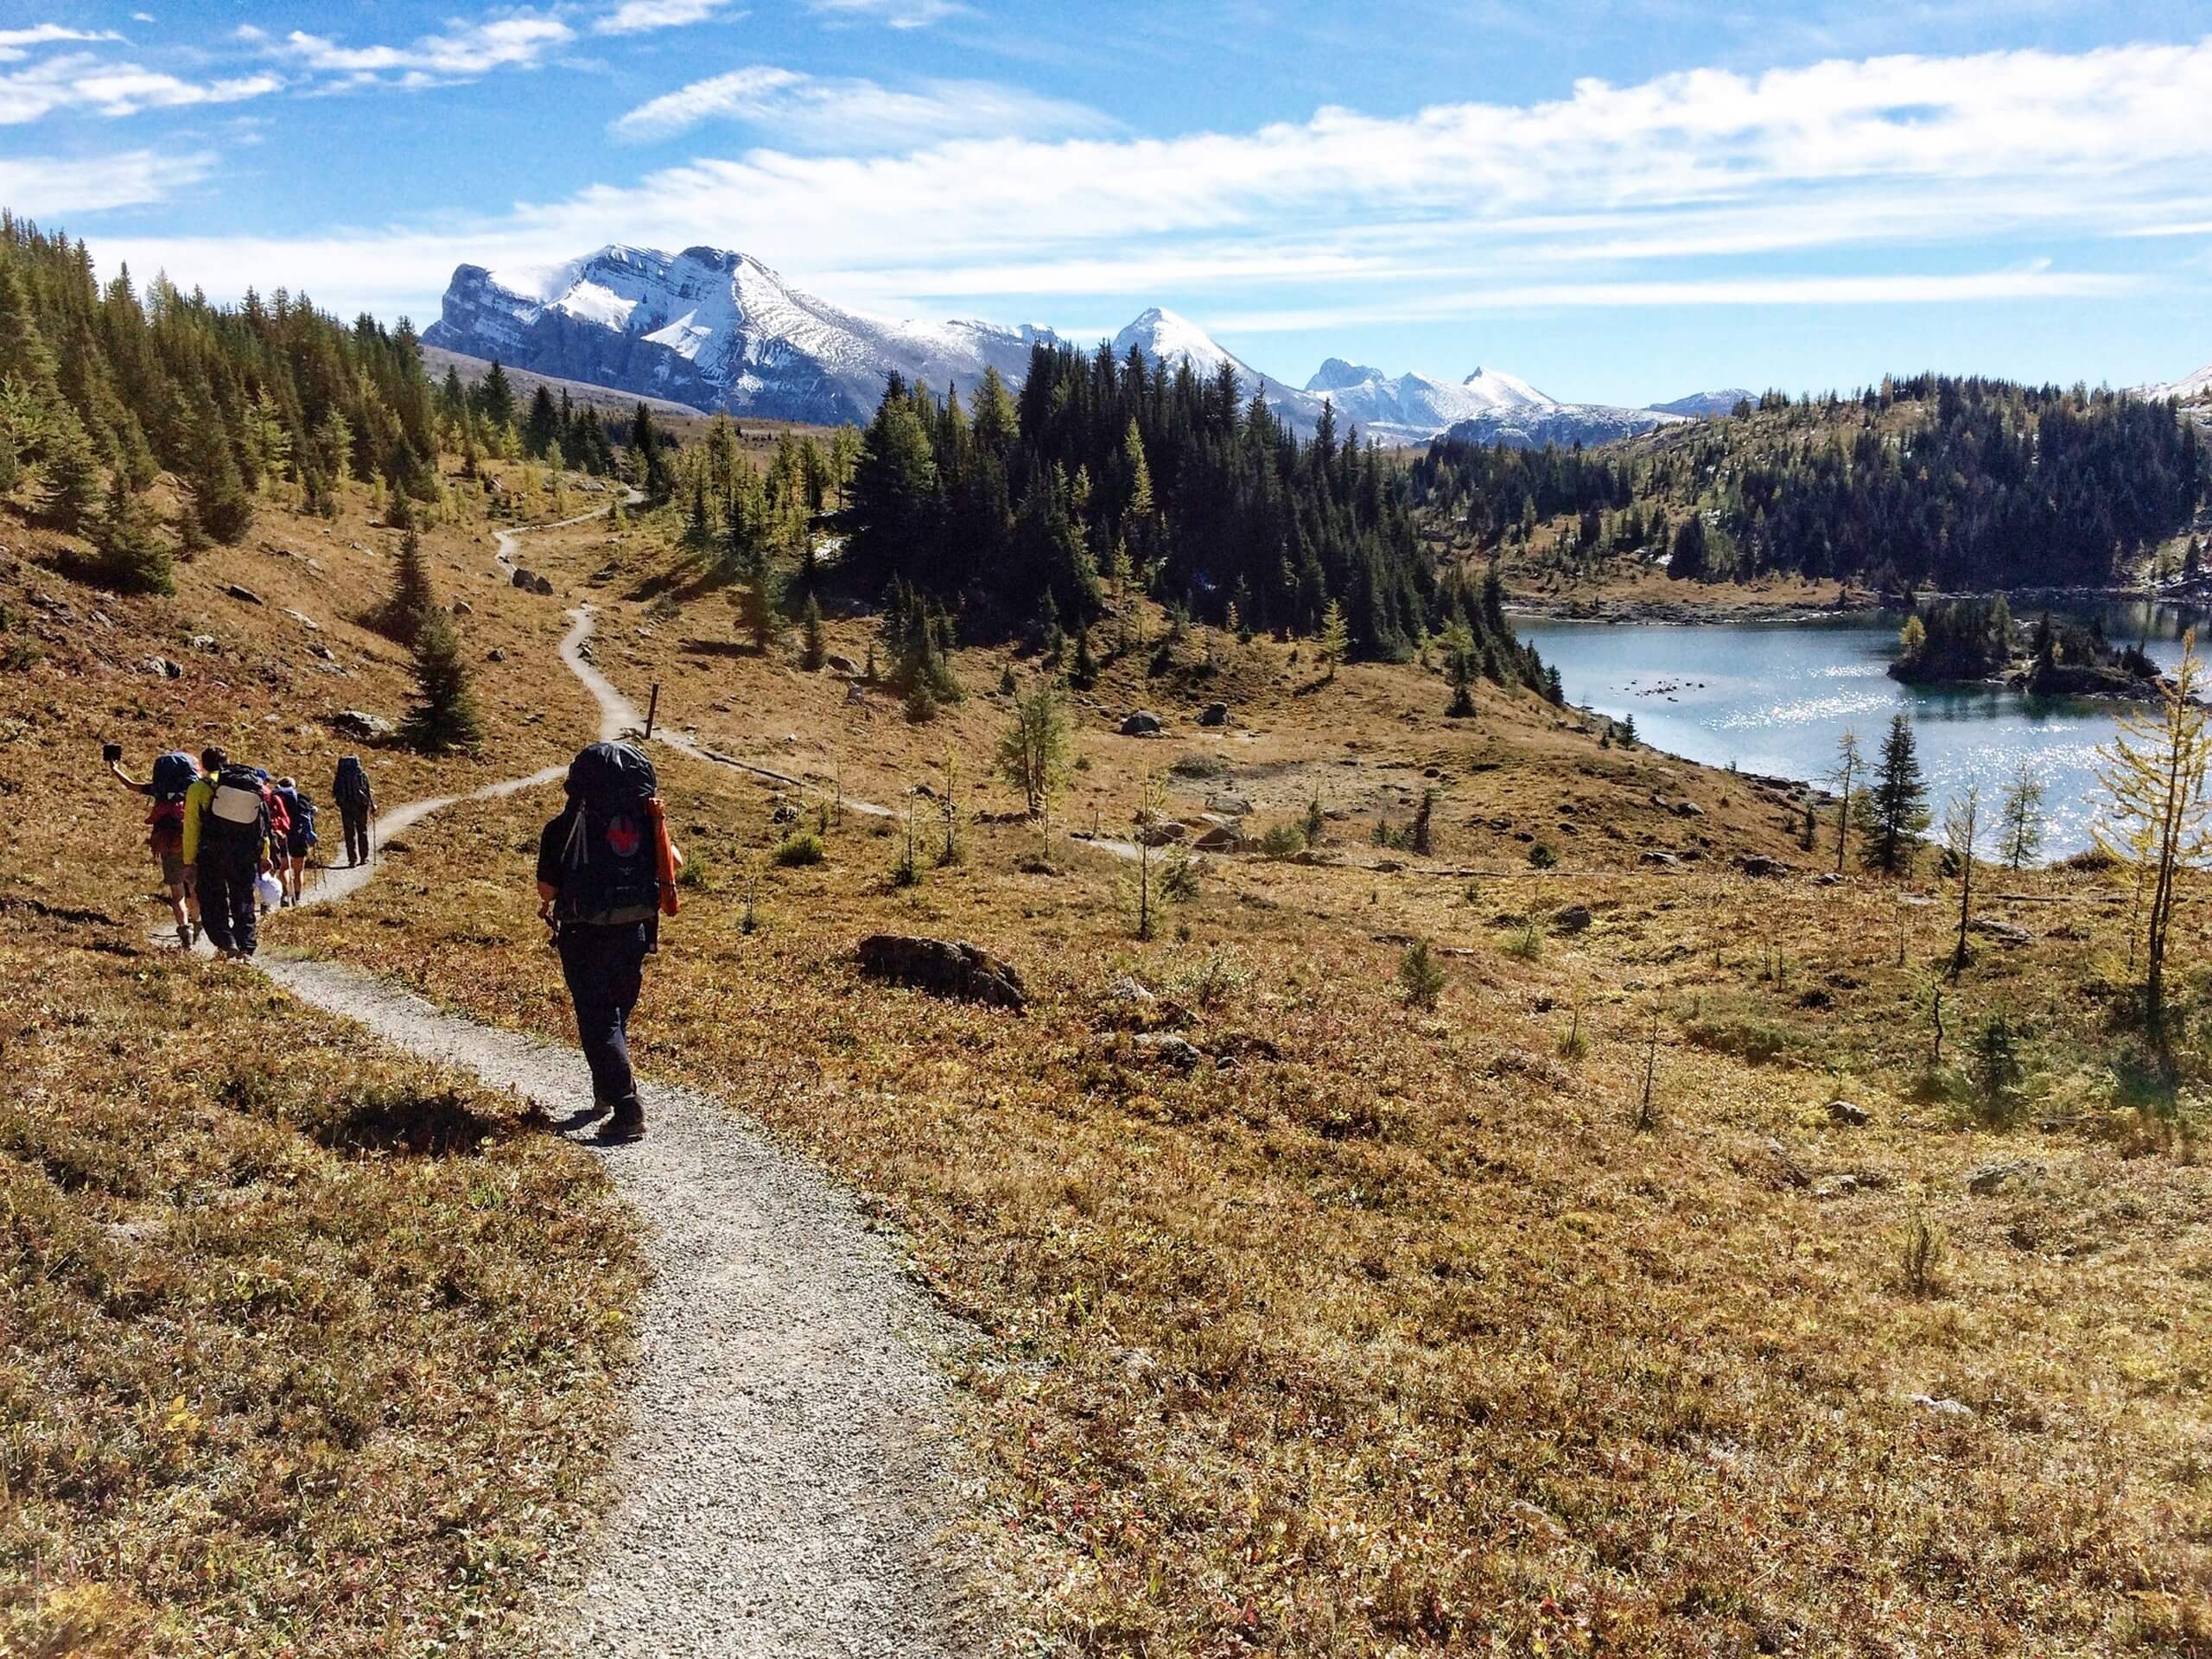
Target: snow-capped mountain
x,y
1562,425
714,329
1708,405
1167,339
2192,389
1414,407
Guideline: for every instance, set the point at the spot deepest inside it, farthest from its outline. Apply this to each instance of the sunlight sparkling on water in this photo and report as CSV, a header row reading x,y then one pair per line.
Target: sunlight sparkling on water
x,y
1774,698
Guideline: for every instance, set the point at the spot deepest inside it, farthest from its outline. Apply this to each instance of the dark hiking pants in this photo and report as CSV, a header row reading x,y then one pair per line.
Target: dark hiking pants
x,y
604,966
357,833
227,905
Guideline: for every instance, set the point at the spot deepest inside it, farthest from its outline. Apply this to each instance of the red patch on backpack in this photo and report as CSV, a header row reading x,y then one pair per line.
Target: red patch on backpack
x,y
624,838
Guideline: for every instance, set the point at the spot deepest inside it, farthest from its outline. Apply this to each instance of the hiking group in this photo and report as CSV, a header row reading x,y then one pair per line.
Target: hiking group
x,y
232,843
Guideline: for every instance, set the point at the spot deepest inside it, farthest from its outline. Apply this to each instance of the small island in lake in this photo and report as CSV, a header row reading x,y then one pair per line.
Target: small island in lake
x,y
1976,641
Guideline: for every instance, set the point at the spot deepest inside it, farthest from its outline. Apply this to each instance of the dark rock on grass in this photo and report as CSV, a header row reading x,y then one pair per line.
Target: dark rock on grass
x,y
1166,1048
2003,933
1214,714
1574,920
838,663
1652,855
243,594
1142,723
1849,1113
1989,1179
356,722
1757,864
951,968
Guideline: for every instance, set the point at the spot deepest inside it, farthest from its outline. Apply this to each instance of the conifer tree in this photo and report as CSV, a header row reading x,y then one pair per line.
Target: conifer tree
x,y
1334,641
2020,817
411,595
813,650
541,431
1849,763
129,556
495,397
1896,804
1033,750
2155,774
444,716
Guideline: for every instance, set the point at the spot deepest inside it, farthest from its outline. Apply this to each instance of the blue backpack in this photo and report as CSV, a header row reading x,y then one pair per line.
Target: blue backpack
x,y
174,777
301,813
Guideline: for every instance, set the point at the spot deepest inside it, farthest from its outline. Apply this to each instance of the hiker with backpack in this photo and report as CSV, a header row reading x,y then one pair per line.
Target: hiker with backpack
x,y
299,838
173,777
227,840
356,807
605,876
274,856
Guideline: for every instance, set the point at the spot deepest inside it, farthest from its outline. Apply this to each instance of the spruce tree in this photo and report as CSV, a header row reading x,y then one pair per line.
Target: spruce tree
x,y
130,556
411,595
444,716
1897,802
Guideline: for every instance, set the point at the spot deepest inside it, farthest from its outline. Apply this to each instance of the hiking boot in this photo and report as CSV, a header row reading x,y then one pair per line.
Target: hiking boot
x,y
184,935
627,1124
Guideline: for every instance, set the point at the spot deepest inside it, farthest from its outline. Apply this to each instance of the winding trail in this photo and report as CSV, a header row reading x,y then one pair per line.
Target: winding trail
x,y
787,1481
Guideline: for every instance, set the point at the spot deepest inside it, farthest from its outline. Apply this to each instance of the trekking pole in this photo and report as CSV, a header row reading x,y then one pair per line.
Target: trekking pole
x,y
652,706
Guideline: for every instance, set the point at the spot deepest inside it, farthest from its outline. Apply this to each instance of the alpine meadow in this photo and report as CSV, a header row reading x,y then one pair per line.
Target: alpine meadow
x,y
709,951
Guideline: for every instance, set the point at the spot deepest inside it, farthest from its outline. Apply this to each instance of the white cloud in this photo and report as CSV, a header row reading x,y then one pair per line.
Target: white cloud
x,y
15,42
38,186
1615,196
80,80
807,110
520,40
899,14
638,16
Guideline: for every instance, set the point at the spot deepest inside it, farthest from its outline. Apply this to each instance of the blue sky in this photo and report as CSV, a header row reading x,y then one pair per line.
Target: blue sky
x,y
1618,200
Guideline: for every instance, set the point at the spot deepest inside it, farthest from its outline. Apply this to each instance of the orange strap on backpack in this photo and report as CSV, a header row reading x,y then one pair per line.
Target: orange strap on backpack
x,y
663,856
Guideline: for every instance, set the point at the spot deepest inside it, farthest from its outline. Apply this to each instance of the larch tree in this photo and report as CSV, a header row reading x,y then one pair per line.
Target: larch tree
x,y
2020,817
1963,841
1849,763
2154,775
1335,639
1035,749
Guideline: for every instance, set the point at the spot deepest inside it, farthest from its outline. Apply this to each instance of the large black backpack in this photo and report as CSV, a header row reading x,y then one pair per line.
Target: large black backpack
x,y
351,787
238,812
301,810
174,777
610,869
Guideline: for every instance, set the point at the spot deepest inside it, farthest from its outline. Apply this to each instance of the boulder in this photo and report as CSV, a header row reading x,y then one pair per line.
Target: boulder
x,y
1574,920
1220,838
355,723
322,652
1936,1408
246,595
1214,714
2003,933
462,607
1787,1169
1166,1048
495,655
1757,864
951,968
304,621
541,586
202,642
1850,1114
838,663
1687,810
1662,860
1988,1180
163,669
1142,723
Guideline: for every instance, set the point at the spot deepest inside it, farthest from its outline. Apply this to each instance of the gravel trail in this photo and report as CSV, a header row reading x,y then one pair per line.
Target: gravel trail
x,y
786,1483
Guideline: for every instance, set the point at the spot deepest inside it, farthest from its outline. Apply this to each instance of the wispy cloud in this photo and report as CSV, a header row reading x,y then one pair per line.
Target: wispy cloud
x,y
78,81
466,51
1907,177
898,14
641,17
16,43
806,110
43,186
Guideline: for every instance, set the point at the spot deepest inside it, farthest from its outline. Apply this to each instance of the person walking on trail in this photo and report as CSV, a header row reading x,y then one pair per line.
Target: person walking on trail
x,y
605,876
356,807
275,855
172,780
227,839
300,837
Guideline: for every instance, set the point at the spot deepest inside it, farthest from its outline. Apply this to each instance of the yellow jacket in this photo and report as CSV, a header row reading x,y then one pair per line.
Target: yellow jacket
x,y
195,807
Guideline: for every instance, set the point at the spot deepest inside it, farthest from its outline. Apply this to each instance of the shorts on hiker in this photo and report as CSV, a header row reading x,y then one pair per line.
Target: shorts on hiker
x,y
166,845
172,868
296,846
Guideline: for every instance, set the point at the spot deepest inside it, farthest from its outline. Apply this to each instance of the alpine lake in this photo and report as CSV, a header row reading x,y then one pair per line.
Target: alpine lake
x,y
1774,698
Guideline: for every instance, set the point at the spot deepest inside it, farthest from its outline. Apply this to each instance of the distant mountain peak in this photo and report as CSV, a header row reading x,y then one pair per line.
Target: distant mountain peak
x,y
1337,375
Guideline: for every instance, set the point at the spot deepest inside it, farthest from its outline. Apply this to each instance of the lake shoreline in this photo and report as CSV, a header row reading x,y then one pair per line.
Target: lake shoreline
x,y
1739,609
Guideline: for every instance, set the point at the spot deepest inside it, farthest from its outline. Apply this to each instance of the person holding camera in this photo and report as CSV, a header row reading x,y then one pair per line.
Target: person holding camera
x,y
172,777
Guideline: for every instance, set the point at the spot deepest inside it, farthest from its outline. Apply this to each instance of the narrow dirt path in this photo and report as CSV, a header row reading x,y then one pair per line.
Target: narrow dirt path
x,y
786,1485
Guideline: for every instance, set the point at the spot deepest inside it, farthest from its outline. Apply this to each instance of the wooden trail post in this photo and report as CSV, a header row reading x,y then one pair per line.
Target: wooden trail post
x,y
652,706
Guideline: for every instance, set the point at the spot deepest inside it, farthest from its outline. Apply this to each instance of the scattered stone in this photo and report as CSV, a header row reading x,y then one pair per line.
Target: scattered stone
x,y
202,642
785,813
100,620
1989,1179
1125,989
2003,933
1757,864
1849,1113
1574,920
943,967
356,722
1663,861
525,580
495,655
243,594
323,651
1687,810
1163,834
838,663
305,620
1214,714
1829,880
1788,1168
462,607
1167,1047
1940,1407
1841,1187
1220,838
163,669
1142,723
